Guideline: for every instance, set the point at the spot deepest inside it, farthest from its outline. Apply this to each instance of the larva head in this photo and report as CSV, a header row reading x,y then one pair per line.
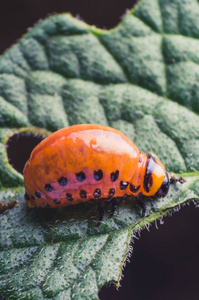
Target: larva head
x,y
156,180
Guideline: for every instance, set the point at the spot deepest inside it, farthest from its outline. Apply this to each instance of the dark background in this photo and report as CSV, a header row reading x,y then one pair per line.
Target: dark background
x,y
165,262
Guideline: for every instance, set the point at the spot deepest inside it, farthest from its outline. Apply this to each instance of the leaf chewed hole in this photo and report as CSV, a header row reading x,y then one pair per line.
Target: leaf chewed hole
x,y
19,147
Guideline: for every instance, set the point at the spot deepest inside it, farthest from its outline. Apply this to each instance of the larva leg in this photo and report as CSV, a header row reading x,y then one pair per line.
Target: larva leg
x,y
101,212
142,205
114,204
174,178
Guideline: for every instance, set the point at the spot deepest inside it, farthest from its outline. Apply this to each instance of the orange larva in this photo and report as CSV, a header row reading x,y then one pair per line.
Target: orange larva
x,y
84,162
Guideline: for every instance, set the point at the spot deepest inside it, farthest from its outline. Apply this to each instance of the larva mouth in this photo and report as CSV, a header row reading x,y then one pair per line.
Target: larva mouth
x,y
19,147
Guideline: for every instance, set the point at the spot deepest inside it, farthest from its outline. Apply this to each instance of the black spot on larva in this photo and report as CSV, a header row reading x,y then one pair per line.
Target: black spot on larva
x,y
111,192
69,197
97,193
37,194
63,181
32,197
56,201
80,176
83,194
123,185
48,187
27,197
148,180
98,175
114,175
46,204
134,188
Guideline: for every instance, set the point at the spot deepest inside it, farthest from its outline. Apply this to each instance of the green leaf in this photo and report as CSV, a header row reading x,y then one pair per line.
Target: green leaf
x,y
141,78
